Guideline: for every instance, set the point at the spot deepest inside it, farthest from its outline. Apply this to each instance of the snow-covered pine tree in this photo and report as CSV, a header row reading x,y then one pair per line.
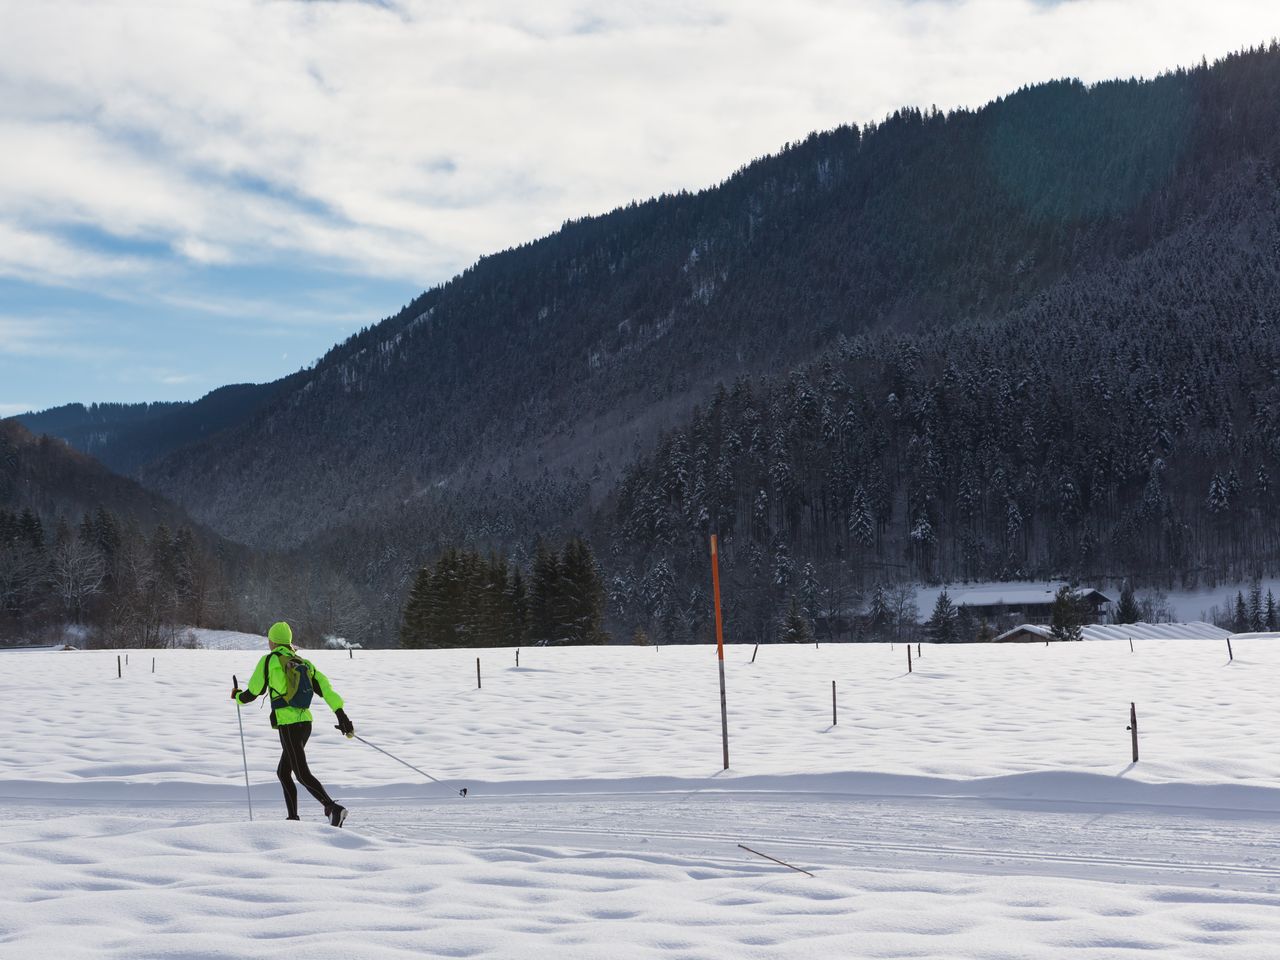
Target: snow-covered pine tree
x,y
861,525
1218,500
878,612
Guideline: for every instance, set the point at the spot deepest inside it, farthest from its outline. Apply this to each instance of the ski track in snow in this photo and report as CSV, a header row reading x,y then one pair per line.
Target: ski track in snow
x,y
981,807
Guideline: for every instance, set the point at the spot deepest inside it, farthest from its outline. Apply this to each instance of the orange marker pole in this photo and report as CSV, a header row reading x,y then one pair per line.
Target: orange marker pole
x,y
724,703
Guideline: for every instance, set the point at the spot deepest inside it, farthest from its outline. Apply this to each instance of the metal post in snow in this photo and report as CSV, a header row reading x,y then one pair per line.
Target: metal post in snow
x,y
833,703
908,658
119,672
724,702
153,664
1133,729
1131,644
754,652
1230,656
477,673
517,656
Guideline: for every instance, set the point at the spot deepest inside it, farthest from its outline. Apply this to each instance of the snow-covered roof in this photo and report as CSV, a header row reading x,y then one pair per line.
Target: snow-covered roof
x,y
1197,630
1015,594
1264,635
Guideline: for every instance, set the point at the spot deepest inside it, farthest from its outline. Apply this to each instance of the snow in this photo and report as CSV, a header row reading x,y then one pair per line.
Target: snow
x,y
1133,631
982,806
222,639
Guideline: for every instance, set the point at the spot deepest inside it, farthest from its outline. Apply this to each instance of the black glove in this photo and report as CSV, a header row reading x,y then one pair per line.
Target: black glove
x,y
344,723
235,694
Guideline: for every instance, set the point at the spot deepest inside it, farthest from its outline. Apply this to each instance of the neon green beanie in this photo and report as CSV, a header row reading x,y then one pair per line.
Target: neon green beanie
x,y
280,634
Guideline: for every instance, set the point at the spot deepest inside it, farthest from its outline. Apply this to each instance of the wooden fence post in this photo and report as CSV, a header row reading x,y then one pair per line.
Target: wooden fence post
x,y
477,673
1131,644
1133,729
754,652
908,658
833,703
153,664
517,656
119,674
1230,656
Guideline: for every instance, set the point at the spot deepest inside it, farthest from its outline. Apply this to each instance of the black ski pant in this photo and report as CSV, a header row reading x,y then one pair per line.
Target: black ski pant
x,y
293,763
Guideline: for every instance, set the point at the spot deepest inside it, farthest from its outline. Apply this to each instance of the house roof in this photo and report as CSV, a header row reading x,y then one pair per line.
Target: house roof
x,y
1124,631
1019,594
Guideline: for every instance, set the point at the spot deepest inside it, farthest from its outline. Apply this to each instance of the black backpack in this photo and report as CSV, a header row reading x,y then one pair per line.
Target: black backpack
x,y
299,688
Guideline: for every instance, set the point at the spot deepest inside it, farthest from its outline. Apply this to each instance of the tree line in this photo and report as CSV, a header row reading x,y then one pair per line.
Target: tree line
x,y
120,585
466,599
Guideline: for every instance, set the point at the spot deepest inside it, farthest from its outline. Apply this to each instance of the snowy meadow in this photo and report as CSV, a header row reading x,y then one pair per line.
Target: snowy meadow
x,y
982,805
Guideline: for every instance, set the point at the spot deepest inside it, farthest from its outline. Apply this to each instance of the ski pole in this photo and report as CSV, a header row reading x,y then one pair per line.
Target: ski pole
x,y
235,688
461,793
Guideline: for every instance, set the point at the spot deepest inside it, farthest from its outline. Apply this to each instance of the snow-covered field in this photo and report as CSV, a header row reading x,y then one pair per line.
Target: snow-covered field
x,y
982,806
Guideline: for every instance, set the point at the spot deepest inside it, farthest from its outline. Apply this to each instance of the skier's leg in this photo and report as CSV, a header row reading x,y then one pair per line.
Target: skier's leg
x,y
285,772
297,743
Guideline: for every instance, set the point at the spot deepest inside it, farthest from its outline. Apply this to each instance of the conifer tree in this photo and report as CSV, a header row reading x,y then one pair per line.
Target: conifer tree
x,y
413,628
1127,610
795,628
518,609
1241,622
580,601
1067,615
544,592
878,612
943,625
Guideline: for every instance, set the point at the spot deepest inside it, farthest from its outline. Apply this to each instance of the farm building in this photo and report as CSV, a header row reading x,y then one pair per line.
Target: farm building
x,y
1031,602
1033,633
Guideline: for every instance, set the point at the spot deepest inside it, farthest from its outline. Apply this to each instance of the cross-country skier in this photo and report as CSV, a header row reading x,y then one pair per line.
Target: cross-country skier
x,y
292,681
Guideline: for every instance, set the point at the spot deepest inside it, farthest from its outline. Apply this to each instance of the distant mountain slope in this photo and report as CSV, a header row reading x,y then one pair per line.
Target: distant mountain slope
x,y
124,436
49,477
568,355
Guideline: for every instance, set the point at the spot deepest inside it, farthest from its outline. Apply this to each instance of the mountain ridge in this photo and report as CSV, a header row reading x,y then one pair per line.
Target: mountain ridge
x,y
516,399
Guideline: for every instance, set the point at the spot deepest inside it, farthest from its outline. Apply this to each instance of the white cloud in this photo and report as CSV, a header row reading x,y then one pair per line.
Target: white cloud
x,y
403,140
34,255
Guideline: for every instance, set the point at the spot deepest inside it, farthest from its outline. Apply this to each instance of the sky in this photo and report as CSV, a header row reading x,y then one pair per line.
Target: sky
x,y
216,191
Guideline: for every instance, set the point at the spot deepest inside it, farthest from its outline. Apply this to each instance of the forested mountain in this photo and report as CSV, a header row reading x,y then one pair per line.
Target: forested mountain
x,y
562,353
125,436
1122,425
1030,339
49,478
82,545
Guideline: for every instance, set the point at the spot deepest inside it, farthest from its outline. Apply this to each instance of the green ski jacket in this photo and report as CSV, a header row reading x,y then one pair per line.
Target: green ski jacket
x,y
259,682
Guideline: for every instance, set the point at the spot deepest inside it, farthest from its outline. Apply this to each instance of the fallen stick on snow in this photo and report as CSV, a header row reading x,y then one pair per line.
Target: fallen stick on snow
x,y
775,860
